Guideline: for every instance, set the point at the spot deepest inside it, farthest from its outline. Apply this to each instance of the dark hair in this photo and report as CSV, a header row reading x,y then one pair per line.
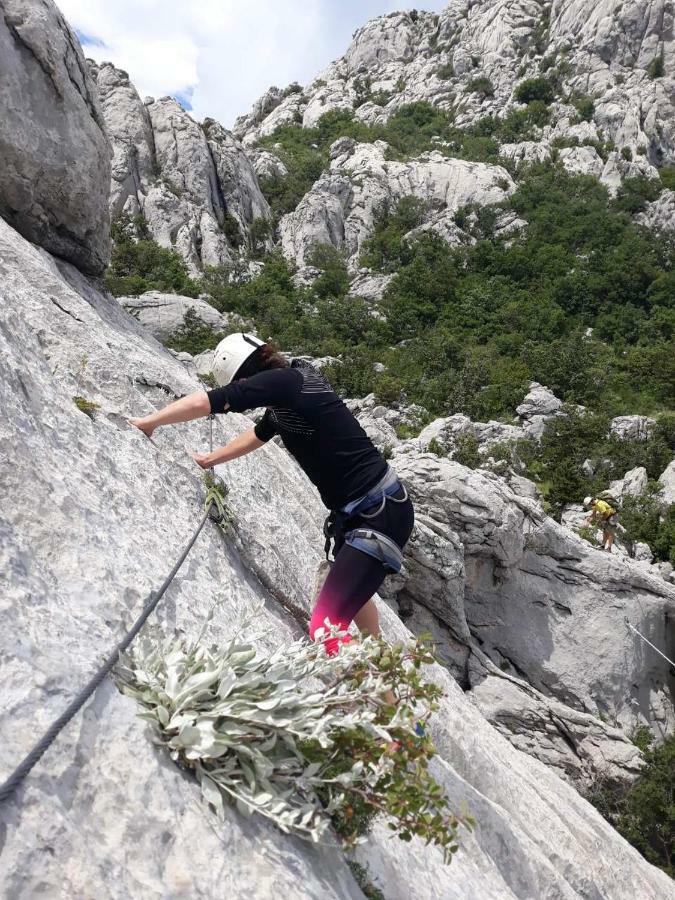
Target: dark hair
x,y
261,360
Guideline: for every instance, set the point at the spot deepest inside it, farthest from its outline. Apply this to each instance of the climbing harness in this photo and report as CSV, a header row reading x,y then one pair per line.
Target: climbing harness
x,y
378,546
151,602
374,543
625,618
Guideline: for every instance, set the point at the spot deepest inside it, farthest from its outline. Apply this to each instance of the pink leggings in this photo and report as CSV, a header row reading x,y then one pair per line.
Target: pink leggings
x,y
352,581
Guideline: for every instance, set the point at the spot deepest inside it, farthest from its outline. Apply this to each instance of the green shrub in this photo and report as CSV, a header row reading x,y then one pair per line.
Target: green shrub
x,y
258,734
627,154
292,88
643,519
644,813
541,89
334,278
88,407
193,336
139,265
584,106
446,71
232,230
466,451
481,85
634,193
656,68
667,175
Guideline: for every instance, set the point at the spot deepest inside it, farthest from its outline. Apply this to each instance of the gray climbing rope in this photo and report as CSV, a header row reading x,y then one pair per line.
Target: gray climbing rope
x,y
151,601
648,642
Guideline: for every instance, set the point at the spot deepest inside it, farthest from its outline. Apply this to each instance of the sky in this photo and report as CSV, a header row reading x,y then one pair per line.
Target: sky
x,y
218,56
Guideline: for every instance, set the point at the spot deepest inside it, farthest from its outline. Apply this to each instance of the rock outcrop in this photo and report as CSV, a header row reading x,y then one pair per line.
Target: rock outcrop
x,y
193,183
534,592
341,207
162,313
114,510
55,156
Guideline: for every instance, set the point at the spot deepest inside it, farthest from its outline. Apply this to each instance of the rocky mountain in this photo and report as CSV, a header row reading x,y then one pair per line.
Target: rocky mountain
x,y
193,183
543,682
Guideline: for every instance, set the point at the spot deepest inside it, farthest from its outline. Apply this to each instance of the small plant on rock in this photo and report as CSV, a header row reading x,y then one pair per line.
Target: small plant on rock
x,y
304,739
88,407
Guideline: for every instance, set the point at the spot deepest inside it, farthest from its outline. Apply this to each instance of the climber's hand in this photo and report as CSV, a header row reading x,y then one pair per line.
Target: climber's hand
x,y
143,426
202,459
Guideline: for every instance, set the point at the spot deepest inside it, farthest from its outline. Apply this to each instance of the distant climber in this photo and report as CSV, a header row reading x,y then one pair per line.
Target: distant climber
x,y
603,512
371,516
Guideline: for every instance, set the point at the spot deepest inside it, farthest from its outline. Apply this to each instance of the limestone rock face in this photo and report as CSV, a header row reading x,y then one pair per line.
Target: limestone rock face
x,y
660,215
162,313
340,209
633,428
115,509
193,183
667,482
621,56
55,158
535,592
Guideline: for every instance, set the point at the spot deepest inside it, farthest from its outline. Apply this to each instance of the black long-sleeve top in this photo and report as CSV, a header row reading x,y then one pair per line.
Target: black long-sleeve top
x,y
315,426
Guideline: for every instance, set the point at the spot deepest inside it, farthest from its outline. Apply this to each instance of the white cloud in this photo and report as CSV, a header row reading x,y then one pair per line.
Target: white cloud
x,y
221,54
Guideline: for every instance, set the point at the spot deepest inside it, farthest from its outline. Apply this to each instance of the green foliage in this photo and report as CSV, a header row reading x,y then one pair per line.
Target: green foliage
x,y
635,193
466,328
360,873
446,71
667,175
139,264
385,249
292,88
232,231
88,407
258,733
480,85
656,68
644,519
584,106
334,278
466,451
627,154
644,813
542,89
260,231
194,335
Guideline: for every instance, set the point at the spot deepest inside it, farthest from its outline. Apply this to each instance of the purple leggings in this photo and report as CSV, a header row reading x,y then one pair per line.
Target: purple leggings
x,y
354,576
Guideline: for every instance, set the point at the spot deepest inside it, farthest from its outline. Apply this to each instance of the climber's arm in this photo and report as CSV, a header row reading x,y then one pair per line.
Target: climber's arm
x,y
194,406
244,443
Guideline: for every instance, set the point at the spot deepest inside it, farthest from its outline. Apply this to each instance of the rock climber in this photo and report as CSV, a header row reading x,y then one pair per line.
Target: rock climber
x,y
603,512
371,516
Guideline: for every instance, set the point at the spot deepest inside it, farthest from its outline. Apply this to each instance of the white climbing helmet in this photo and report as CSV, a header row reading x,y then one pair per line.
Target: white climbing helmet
x,y
230,355
588,501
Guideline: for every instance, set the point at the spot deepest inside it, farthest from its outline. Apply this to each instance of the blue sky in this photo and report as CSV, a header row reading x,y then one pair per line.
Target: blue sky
x,y
218,56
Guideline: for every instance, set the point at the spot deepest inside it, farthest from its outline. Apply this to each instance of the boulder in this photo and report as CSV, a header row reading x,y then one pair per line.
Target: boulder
x,y
632,484
539,401
115,511
369,285
632,428
55,156
667,483
340,208
162,313
659,215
